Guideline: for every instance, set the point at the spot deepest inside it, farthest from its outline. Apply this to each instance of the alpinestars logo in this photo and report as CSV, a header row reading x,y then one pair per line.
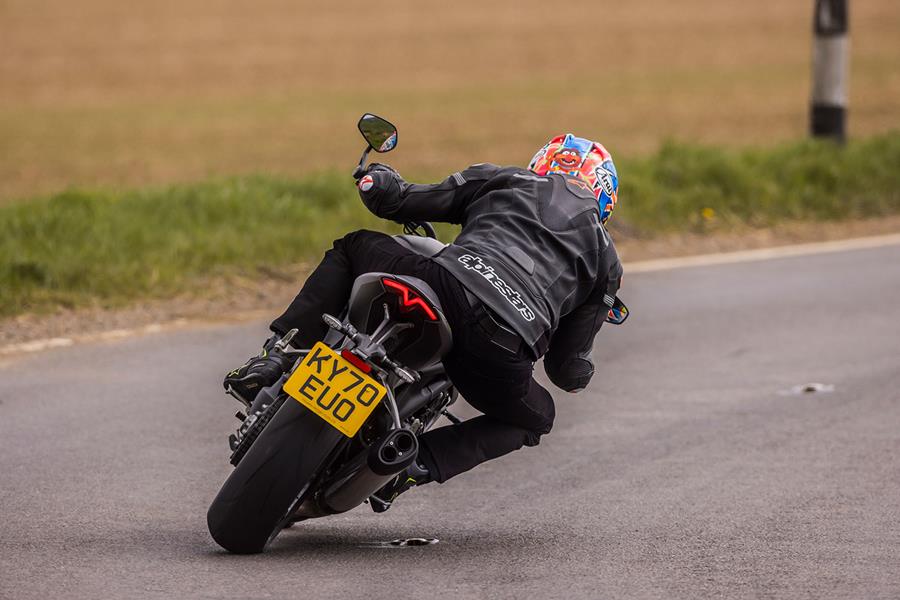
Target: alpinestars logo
x,y
473,263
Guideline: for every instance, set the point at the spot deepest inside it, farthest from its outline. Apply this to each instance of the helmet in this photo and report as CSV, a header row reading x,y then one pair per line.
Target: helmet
x,y
585,160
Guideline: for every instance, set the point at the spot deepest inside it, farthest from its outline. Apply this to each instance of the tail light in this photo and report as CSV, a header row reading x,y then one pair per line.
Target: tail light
x,y
410,300
356,361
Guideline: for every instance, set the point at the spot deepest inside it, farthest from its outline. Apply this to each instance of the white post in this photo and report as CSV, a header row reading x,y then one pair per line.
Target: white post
x,y
829,81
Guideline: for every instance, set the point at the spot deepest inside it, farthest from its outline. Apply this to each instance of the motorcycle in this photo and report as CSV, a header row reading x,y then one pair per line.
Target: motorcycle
x,y
346,418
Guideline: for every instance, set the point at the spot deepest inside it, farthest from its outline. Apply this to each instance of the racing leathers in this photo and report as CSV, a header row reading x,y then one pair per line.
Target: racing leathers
x,y
532,262
531,248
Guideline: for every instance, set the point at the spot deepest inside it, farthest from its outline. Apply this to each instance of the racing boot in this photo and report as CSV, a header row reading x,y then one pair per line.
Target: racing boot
x,y
415,474
260,371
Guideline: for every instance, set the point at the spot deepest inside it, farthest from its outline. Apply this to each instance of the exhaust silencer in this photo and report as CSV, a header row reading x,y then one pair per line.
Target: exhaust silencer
x,y
366,475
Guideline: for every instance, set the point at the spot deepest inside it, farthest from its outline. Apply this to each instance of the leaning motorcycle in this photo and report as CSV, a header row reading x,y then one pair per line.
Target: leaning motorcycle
x,y
346,418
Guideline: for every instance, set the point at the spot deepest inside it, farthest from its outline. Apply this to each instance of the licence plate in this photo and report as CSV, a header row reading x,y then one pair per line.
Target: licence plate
x,y
334,389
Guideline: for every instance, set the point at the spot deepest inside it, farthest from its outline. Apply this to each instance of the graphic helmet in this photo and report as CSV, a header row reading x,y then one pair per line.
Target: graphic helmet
x,y
586,160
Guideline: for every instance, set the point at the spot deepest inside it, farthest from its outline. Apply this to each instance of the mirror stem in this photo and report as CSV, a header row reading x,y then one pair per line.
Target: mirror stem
x,y
359,170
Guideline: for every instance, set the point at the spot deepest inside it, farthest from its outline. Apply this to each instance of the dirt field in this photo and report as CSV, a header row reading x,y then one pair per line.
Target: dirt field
x,y
109,92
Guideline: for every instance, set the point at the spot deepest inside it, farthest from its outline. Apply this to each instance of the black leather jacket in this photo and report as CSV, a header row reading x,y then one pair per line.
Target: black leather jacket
x,y
531,248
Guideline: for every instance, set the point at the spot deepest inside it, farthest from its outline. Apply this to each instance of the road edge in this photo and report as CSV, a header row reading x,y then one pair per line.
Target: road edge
x,y
758,254
644,266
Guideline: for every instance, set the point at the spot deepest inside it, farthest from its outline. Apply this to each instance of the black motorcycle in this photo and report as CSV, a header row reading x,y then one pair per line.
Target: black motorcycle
x,y
346,419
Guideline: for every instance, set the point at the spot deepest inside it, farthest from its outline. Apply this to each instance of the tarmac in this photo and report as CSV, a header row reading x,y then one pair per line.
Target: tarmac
x,y
696,465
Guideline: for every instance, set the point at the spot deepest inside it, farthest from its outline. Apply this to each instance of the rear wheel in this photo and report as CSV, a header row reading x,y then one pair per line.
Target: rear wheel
x,y
272,478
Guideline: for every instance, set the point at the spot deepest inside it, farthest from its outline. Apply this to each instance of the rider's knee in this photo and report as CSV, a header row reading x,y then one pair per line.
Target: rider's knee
x,y
533,437
356,238
542,427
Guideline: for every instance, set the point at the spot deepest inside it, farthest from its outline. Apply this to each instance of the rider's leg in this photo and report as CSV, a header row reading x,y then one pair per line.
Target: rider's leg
x,y
451,450
516,409
508,423
328,287
326,291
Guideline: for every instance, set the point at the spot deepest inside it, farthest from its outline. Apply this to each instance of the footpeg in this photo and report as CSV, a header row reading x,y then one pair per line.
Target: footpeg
x,y
284,343
230,391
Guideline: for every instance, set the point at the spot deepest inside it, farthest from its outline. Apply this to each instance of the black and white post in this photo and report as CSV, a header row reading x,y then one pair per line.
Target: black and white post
x,y
829,81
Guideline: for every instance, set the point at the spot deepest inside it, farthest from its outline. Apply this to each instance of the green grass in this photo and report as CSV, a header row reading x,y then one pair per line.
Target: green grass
x,y
685,187
86,246
102,247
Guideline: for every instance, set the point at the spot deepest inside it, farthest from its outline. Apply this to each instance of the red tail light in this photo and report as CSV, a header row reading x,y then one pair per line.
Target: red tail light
x,y
356,361
409,298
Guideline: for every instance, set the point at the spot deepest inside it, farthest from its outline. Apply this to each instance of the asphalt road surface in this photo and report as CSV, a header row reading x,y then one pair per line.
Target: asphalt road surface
x,y
684,471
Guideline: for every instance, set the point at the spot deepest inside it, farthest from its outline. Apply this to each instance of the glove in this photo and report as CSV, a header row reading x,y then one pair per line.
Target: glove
x,y
379,188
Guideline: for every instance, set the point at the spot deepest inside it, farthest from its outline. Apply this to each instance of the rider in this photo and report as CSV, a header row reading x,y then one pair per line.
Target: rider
x,y
532,273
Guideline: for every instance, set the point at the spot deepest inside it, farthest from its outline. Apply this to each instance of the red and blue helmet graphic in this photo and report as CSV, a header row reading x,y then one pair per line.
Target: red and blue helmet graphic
x,y
586,160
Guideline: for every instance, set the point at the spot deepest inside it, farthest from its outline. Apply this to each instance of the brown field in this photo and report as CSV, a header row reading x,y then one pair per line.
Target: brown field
x,y
124,93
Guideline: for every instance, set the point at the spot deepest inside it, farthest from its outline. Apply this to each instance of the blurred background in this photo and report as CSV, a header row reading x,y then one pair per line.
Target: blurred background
x,y
102,92
147,147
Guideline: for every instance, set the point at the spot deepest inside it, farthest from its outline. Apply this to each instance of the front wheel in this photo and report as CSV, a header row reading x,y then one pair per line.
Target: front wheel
x,y
256,500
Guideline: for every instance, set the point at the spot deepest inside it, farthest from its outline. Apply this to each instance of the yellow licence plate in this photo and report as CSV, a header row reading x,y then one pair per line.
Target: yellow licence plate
x,y
334,389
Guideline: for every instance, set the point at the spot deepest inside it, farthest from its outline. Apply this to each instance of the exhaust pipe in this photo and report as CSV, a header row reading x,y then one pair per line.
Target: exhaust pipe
x,y
366,475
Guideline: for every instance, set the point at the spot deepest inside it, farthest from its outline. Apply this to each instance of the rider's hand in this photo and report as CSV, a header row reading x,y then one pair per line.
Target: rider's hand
x,y
380,184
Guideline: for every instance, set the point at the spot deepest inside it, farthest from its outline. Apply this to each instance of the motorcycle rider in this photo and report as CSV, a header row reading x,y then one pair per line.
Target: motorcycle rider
x,y
532,274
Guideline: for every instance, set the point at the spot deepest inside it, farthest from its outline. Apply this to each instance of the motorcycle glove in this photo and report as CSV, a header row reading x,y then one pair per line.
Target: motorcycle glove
x,y
377,185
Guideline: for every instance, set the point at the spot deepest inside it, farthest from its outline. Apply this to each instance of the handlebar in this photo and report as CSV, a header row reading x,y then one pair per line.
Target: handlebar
x,y
412,228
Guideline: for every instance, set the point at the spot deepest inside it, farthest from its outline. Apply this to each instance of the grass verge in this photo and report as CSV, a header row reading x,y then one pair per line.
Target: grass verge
x,y
701,189
100,247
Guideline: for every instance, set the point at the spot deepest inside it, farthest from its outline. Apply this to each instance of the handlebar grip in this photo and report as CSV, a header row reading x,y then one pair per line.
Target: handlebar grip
x,y
412,228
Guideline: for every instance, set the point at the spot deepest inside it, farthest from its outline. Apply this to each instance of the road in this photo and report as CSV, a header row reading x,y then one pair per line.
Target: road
x,y
684,471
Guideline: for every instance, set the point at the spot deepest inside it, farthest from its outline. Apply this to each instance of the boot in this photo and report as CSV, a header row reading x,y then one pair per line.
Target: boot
x,y
259,371
415,474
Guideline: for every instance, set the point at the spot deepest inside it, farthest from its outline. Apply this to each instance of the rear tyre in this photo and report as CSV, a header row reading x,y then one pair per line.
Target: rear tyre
x,y
271,479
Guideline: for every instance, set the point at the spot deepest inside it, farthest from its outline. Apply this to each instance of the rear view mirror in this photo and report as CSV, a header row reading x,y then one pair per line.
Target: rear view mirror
x,y
381,134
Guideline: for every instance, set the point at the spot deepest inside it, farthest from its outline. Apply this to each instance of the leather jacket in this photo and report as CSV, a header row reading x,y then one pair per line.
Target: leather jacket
x,y
531,248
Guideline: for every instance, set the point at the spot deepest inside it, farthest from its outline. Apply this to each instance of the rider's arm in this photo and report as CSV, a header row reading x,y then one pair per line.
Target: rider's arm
x,y
390,197
568,361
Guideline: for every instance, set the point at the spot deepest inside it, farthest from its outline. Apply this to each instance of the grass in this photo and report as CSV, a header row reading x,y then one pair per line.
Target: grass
x,y
84,247
81,246
704,188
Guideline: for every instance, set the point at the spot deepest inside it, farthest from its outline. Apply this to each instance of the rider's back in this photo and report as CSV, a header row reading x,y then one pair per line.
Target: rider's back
x,y
531,248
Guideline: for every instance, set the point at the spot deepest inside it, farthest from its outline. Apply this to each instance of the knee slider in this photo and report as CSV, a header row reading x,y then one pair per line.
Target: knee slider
x,y
533,437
